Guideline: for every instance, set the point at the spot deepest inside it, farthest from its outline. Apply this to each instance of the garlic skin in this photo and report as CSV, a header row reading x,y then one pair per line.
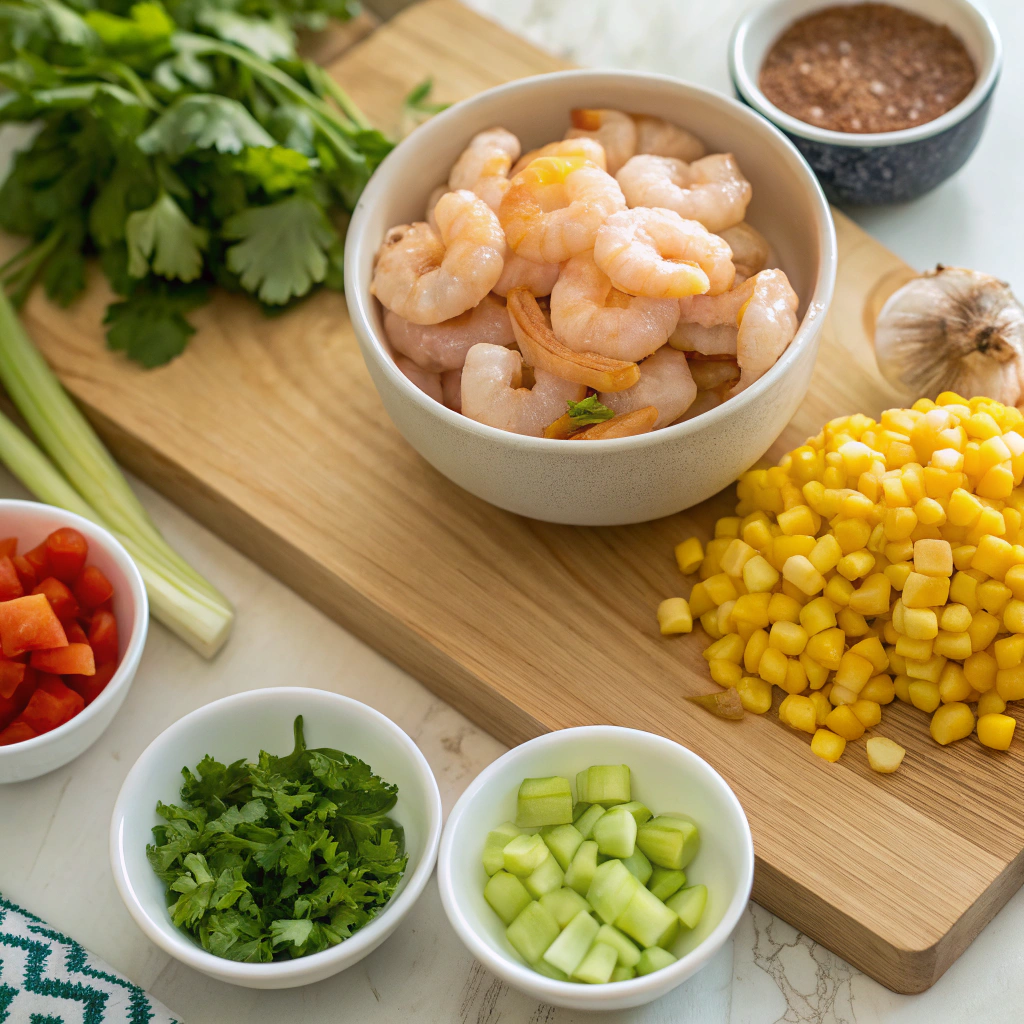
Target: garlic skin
x,y
953,329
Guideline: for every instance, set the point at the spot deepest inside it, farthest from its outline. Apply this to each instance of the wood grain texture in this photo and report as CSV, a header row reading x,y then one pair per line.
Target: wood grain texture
x,y
270,432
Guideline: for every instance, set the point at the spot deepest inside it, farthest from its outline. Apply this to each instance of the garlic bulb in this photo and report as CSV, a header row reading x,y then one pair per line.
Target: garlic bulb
x,y
953,330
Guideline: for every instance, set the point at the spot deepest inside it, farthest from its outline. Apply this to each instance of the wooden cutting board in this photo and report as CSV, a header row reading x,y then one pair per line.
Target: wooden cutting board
x,y
270,432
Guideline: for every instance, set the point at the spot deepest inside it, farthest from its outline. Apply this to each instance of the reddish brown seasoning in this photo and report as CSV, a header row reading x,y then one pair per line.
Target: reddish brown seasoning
x,y
866,68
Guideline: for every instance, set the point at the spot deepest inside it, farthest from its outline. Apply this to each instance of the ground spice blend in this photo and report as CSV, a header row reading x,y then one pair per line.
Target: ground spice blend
x,y
866,68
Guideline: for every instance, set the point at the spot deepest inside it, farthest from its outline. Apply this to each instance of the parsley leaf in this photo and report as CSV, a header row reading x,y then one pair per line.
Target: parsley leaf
x,y
150,325
587,411
163,234
203,121
418,101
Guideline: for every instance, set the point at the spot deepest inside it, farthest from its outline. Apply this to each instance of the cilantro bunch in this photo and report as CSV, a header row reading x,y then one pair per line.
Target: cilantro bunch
x,y
183,143
281,858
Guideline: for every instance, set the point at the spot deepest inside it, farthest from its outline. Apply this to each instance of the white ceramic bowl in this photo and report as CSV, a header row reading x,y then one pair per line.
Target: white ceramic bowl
x,y
636,478
665,776
30,522
241,726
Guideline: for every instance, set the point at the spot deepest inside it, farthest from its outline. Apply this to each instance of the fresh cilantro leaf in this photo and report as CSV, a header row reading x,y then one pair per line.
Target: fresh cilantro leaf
x,y
147,25
202,121
588,411
129,187
269,38
275,169
281,248
150,325
164,235
418,100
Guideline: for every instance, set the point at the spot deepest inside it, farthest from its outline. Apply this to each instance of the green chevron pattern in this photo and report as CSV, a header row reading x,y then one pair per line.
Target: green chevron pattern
x,y
47,978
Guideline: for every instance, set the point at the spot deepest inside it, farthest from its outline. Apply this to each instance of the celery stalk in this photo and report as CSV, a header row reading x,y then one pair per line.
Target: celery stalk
x,y
92,486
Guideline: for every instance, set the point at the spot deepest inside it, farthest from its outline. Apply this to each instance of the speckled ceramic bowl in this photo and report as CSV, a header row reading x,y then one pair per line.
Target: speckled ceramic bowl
x,y
885,167
631,479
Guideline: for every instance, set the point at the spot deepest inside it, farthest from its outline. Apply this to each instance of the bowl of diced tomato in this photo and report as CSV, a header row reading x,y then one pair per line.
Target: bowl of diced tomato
x,y
73,620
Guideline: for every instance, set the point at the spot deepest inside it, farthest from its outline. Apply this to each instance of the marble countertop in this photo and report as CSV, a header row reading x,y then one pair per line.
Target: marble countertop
x,y
53,837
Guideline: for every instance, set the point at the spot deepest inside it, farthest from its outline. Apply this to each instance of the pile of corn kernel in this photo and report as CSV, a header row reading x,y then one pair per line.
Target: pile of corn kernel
x,y
877,561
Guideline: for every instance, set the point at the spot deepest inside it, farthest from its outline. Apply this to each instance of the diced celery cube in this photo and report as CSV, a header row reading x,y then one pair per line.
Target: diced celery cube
x,y
615,833
564,904
638,810
582,867
532,932
506,895
494,846
524,854
541,967
544,802
586,821
654,959
622,974
664,882
605,784
597,965
689,904
645,918
546,877
628,952
568,950
577,809
638,866
611,890
563,841
669,842
669,935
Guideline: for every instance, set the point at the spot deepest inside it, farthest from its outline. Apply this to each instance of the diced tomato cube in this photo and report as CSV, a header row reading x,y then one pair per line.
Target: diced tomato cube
x,y
92,588
75,633
16,732
90,687
103,636
29,624
51,705
12,706
39,560
9,546
25,572
63,601
66,550
12,675
71,659
10,582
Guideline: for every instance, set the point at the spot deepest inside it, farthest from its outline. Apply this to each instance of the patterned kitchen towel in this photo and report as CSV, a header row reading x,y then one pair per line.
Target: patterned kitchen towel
x,y
47,978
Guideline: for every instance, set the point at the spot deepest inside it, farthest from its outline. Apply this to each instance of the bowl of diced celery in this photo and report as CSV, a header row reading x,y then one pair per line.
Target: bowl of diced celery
x,y
596,868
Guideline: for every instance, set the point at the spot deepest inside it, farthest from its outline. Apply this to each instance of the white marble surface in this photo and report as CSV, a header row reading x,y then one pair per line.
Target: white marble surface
x,y
53,856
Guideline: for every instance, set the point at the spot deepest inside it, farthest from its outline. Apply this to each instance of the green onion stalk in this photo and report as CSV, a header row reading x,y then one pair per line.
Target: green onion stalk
x,y
75,471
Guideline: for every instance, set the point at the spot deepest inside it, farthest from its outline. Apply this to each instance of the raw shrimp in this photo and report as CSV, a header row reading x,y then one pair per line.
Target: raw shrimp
x,y
582,147
451,389
429,383
484,165
750,249
719,340
589,315
432,200
443,346
764,307
662,138
425,278
711,190
714,379
553,208
613,129
520,272
658,254
491,392
665,383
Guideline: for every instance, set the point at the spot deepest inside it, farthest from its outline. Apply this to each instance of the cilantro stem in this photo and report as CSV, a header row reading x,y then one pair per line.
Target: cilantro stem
x,y
335,91
19,281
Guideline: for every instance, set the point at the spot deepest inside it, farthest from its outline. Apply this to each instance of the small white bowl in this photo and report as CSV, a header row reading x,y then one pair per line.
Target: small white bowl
x,y
665,776
241,726
631,479
30,522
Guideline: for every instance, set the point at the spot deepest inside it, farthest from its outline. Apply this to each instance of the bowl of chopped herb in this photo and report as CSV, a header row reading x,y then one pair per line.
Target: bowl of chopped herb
x,y
278,856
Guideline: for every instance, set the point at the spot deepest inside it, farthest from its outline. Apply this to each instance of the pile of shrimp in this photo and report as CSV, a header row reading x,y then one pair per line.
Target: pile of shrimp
x,y
616,262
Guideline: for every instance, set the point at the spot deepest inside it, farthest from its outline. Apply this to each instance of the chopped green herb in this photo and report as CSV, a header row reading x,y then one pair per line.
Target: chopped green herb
x,y
418,101
588,411
281,858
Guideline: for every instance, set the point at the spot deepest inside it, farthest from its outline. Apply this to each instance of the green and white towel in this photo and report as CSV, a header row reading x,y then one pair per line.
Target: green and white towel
x,y
47,978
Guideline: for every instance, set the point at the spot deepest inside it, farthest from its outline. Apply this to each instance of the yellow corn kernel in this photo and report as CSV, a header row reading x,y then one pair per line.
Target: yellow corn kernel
x,y
772,666
893,494
833,478
924,695
825,554
857,505
930,669
787,636
993,556
963,508
755,694
735,556
839,591
674,616
884,755
889,634
689,555
843,722
798,570
900,550
725,673
920,623
922,591
727,526
783,608
796,677
952,722
872,596
953,684
822,706
827,745
876,542
752,609
879,689
990,704
963,556
901,685
1009,651
997,482
1013,615
856,564
990,521
725,622
729,647
817,615
897,572
955,618
713,557
933,558
952,645
995,731
1010,683
743,629
930,512
982,426
799,519
1014,579
854,671
980,669
719,587
700,601
993,596
756,645
799,713
759,575
826,647
851,534
817,674
709,623
784,547
867,711
852,623
963,589
908,647
874,652
757,534
940,484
